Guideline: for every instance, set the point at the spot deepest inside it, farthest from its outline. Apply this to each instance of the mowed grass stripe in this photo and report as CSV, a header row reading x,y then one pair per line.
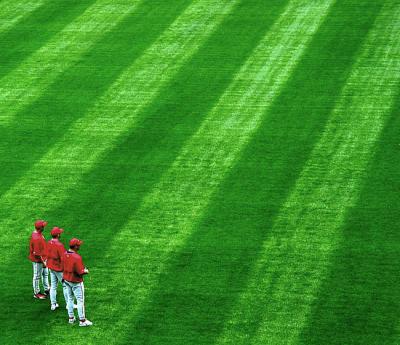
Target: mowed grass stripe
x,y
160,131
33,31
114,115
260,183
78,88
134,166
61,52
14,11
198,287
359,301
287,277
169,213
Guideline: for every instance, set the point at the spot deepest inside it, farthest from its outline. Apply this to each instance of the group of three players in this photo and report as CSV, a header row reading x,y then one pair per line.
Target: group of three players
x,y
65,266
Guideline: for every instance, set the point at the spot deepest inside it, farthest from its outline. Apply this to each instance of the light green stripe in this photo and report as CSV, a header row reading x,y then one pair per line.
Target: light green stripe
x,y
11,12
26,83
308,227
113,115
170,211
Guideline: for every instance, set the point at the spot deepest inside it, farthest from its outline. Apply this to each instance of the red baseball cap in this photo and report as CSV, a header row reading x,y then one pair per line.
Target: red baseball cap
x,y
56,231
75,242
39,224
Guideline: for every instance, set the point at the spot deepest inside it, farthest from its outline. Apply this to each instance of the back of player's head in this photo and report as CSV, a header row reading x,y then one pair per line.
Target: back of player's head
x,y
56,232
75,243
40,224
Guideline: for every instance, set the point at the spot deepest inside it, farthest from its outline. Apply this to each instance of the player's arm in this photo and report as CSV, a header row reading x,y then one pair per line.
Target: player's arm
x,y
80,268
43,252
38,250
31,247
61,251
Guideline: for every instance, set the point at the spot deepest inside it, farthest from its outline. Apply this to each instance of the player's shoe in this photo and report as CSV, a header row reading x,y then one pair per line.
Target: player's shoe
x,y
85,323
39,296
47,293
71,320
54,306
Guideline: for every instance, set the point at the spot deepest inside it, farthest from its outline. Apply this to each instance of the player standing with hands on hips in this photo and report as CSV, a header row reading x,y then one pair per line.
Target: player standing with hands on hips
x,y
55,253
74,269
37,254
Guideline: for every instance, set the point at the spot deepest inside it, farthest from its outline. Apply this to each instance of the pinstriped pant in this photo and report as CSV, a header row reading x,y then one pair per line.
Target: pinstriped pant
x,y
40,272
77,290
55,278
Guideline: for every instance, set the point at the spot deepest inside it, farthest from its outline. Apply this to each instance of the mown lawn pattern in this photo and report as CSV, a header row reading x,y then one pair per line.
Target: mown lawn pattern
x,y
193,281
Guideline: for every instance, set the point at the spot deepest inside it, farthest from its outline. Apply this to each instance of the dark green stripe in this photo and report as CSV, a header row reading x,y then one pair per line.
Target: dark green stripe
x,y
129,171
104,200
195,295
34,30
359,302
36,128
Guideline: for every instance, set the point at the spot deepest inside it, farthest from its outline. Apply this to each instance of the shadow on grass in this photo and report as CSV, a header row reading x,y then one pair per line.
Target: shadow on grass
x,y
110,193
360,300
104,200
37,127
34,30
205,278
195,295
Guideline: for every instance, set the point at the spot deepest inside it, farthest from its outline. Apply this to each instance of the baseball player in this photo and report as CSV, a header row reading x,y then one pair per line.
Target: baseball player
x,y
74,269
55,252
37,254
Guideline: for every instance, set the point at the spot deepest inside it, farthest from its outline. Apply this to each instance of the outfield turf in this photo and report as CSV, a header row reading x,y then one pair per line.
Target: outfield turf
x,y
231,165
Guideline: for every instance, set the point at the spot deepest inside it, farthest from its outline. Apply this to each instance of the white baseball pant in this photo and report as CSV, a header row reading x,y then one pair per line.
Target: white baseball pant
x,y
78,290
40,272
55,278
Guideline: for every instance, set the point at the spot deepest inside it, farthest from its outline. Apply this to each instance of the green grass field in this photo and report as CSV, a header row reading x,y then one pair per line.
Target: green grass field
x,y
232,166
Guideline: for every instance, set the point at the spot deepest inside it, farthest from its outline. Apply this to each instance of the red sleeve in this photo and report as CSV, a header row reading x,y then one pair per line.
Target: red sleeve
x,y
61,251
31,247
43,249
79,267
39,247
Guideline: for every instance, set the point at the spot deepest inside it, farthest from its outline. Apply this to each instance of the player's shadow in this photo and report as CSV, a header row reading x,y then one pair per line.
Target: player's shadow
x,y
34,30
36,128
359,302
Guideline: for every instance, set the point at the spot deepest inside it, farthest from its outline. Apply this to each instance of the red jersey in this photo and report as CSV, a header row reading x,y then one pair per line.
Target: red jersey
x,y
37,247
74,268
55,252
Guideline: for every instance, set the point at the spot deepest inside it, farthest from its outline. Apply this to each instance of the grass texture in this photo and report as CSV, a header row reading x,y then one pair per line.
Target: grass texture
x,y
232,167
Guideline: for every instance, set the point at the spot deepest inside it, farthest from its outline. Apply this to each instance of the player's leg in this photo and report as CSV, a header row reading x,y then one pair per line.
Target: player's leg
x,y
79,295
60,280
53,289
59,276
39,270
36,278
45,280
67,288
79,292
37,274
